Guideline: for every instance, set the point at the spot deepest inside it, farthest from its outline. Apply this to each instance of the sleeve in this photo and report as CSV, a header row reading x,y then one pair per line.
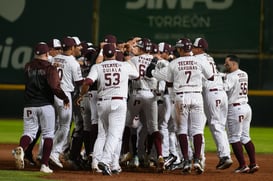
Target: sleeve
x,y
170,74
76,71
93,74
132,71
206,69
229,82
54,82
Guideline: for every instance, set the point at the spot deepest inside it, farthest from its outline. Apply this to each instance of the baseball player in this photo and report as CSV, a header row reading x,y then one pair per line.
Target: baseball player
x,y
143,99
166,111
42,83
216,105
239,115
185,75
69,74
112,77
55,48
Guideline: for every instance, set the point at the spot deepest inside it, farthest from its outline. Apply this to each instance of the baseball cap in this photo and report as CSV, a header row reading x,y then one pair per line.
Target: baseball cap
x,y
109,50
164,47
41,48
119,56
54,43
110,39
154,48
201,43
68,42
77,40
85,46
185,44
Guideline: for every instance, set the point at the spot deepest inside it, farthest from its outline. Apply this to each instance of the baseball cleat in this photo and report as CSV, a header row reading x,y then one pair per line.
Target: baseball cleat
x,y
187,167
253,168
224,163
45,169
170,160
116,171
134,162
160,164
244,169
18,154
126,157
29,160
55,161
105,169
176,166
197,166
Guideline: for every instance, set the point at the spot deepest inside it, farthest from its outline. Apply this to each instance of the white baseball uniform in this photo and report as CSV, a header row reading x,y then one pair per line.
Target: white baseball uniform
x,y
239,111
166,117
186,75
112,78
69,72
216,104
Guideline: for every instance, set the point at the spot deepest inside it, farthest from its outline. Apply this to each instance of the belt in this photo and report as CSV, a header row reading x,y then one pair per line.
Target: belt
x,y
236,104
177,93
111,98
212,90
145,89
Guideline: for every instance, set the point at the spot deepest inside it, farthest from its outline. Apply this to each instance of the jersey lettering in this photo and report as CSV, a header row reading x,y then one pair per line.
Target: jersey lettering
x,y
29,112
218,102
136,102
241,118
142,70
188,73
243,88
112,79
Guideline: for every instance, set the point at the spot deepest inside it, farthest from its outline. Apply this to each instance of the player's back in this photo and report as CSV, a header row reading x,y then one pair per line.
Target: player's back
x,y
186,74
69,71
141,63
236,85
112,77
217,82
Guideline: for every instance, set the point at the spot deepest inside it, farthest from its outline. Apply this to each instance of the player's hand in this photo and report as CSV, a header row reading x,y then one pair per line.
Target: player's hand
x,y
78,101
66,105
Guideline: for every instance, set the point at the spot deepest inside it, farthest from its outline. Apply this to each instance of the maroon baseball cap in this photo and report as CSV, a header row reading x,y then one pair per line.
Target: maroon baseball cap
x,y
201,43
164,47
154,48
54,43
41,48
119,56
110,39
68,42
185,44
109,50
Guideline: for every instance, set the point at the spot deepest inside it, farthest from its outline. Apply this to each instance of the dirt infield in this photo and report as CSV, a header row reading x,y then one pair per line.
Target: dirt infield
x,y
265,162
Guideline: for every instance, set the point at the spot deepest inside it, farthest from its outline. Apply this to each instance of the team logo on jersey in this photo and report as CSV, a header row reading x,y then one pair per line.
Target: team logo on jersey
x,y
11,10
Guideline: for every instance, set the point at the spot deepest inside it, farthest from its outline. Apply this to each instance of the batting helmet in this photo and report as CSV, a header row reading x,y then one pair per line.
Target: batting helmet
x,y
185,44
201,43
145,44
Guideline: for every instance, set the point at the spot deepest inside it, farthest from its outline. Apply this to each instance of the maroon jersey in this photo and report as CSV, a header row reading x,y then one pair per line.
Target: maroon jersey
x,y
42,83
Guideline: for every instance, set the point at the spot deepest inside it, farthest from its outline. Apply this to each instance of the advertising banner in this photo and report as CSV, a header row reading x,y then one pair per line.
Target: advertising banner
x,y
25,22
228,25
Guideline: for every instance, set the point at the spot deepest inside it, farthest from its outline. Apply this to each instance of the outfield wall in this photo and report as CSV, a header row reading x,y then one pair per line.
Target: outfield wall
x,y
230,26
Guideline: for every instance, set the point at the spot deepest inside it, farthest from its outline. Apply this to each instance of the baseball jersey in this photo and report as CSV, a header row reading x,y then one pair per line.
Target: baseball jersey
x,y
141,63
68,69
42,84
236,86
217,83
186,73
112,78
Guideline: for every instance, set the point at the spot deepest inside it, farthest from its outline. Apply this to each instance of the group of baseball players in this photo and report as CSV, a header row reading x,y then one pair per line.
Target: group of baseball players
x,y
134,104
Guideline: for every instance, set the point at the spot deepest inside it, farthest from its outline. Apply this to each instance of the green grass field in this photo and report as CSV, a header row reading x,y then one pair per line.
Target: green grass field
x,y
11,131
